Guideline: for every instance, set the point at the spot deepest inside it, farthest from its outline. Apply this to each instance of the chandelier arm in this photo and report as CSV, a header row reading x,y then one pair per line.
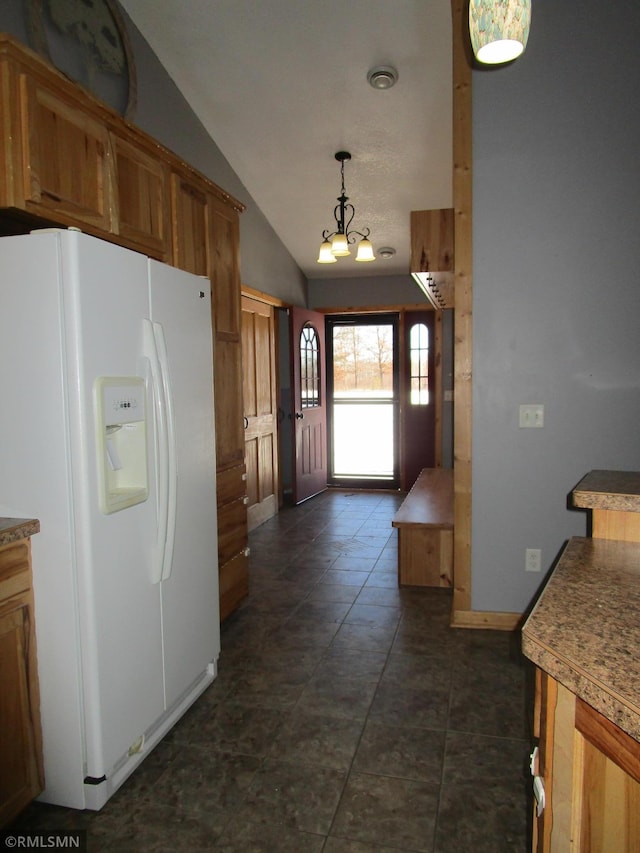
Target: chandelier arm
x,y
348,209
365,235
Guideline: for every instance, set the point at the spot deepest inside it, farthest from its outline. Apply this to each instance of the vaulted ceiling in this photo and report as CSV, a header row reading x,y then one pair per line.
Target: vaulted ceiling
x,y
281,86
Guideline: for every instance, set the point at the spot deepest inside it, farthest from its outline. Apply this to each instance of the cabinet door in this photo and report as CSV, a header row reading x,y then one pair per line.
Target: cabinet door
x,y
19,782
142,213
225,310
65,161
190,226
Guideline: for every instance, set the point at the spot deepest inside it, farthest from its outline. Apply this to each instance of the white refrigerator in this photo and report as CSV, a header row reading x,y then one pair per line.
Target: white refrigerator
x,y
107,437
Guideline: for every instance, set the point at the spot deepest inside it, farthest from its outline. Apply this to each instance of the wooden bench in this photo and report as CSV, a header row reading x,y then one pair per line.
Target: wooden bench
x,y
425,530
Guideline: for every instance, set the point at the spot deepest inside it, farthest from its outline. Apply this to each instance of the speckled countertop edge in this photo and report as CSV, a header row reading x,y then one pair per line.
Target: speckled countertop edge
x,y
13,529
585,628
612,490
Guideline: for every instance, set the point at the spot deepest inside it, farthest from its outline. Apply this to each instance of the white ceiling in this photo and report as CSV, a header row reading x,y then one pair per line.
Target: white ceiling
x,y
281,85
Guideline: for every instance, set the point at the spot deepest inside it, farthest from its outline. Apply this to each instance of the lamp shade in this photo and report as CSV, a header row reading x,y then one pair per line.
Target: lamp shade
x,y
499,29
340,246
325,255
365,251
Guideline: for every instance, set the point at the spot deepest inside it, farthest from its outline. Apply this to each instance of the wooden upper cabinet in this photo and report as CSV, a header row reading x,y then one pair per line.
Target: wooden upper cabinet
x,y
141,202
190,221
224,239
432,254
65,164
225,270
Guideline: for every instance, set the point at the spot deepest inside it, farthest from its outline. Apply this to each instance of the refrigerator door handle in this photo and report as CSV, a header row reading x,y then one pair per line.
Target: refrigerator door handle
x,y
162,454
172,455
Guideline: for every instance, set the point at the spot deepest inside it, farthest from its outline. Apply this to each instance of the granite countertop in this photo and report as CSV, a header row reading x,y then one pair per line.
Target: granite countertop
x,y
585,628
12,529
613,490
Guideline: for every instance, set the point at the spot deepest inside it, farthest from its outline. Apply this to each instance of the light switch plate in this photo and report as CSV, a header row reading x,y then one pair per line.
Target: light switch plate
x,y
531,415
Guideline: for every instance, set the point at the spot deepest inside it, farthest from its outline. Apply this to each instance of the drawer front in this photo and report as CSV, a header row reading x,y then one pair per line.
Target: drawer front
x,y
231,484
232,531
234,584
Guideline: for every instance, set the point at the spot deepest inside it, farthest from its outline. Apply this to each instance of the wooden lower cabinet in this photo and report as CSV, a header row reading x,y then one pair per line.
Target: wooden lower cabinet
x,y
233,552
21,773
591,775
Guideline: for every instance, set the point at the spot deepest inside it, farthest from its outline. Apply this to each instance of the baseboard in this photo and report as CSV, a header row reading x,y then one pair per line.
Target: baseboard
x,y
485,619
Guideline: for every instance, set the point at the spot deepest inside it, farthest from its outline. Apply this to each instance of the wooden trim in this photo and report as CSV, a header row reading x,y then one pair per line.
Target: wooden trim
x,y
615,524
544,727
617,745
567,758
463,340
379,309
252,293
484,618
438,387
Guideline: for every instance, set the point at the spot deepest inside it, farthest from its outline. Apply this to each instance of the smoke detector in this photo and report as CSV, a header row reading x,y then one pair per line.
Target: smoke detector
x,y
386,252
382,77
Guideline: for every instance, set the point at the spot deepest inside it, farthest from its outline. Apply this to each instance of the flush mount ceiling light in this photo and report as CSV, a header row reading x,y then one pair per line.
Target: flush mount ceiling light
x,y
335,244
499,29
382,77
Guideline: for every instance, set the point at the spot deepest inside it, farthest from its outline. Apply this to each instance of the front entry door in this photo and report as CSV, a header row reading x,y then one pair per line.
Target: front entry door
x,y
260,408
309,403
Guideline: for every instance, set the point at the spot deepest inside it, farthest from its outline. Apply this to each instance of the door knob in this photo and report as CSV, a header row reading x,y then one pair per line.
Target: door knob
x,y
246,422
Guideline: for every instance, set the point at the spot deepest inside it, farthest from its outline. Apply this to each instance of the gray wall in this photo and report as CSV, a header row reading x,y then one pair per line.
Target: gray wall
x,y
163,113
556,318
356,292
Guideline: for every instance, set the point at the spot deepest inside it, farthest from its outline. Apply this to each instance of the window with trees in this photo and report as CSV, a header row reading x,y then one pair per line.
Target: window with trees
x,y
419,364
309,367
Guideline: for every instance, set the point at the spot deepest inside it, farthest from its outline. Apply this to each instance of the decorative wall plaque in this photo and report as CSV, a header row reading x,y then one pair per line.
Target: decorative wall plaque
x,y
87,41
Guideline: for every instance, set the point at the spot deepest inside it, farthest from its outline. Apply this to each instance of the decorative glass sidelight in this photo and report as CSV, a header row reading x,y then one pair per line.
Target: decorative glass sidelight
x,y
309,367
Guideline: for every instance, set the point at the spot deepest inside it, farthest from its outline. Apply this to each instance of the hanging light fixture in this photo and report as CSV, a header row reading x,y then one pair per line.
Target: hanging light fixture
x,y
335,244
499,29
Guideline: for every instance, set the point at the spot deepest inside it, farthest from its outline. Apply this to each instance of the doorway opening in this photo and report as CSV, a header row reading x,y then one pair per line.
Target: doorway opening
x,y
363,401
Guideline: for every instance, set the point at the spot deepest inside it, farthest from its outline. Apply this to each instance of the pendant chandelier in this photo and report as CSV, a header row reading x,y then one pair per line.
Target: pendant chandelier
x,y
335,244
499,29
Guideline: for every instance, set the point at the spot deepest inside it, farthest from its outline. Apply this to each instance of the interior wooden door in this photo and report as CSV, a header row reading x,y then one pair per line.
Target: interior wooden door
x,y
260,410
309,396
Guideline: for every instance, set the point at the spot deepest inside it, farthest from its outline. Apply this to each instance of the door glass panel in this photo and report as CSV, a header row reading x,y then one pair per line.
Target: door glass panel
x,y
309,367
419,364
363,404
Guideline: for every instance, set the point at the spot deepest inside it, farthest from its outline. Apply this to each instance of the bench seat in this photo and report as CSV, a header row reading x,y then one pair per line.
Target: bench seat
x,y
425,530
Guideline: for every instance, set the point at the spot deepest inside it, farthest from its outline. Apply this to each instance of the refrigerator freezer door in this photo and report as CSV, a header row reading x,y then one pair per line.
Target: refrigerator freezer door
x,y
180,305
106,297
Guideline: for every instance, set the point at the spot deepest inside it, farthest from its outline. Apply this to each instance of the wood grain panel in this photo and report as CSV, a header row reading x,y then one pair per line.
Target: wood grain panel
x,y
141,199
65,157
190,226
463,344
260,409
616,524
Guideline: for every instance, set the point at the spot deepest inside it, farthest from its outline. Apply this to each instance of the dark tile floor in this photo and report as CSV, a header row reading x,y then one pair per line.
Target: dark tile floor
x,y
347,716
